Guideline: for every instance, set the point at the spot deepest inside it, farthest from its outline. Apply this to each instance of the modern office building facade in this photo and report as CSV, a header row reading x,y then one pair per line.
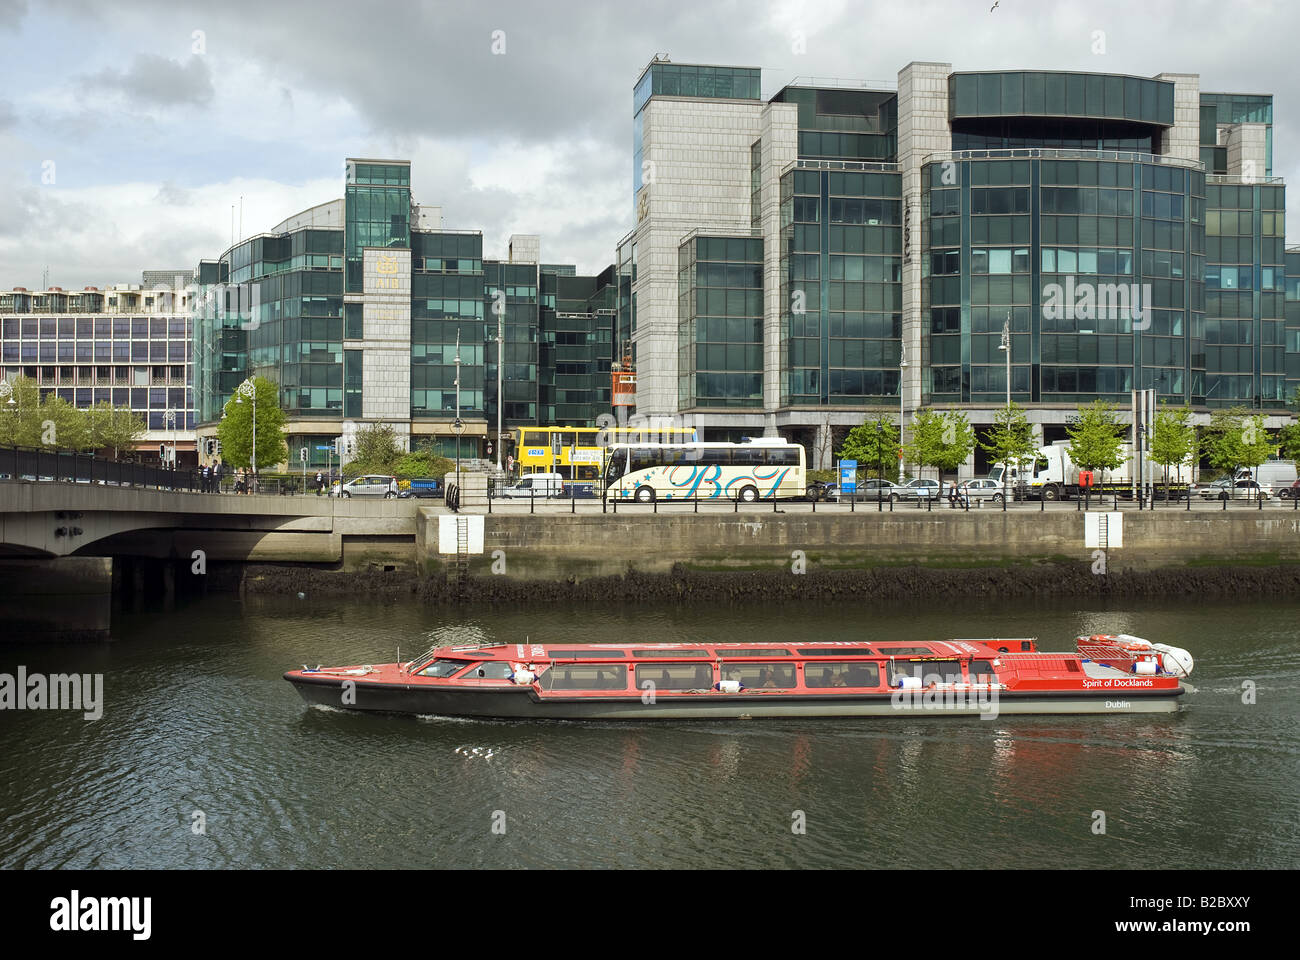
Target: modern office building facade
x,y
128,345
358,309
842,250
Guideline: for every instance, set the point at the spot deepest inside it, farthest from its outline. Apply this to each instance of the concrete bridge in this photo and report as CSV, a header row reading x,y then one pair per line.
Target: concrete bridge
x,y
59,519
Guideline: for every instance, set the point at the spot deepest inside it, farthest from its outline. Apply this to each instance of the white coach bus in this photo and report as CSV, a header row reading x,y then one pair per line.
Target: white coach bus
x,y
758,469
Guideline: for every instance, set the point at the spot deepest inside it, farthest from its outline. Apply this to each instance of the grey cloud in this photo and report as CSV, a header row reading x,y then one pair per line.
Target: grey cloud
x,y
158,81
173,196
12,13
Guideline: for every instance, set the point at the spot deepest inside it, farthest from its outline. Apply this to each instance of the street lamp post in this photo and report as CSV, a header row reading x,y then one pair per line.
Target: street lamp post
x,y
902,368
456,426
169,417
249,389
501,351
1005,345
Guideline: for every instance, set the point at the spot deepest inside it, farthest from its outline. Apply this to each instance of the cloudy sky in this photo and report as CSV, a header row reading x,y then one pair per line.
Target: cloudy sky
x,y
128,129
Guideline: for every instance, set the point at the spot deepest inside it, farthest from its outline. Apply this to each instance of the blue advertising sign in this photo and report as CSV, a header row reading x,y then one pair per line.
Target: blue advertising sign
x,y
848,476
326,447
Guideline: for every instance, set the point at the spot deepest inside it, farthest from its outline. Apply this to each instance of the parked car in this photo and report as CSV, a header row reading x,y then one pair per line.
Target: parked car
x,y
424,488
1272,475
866,489
919,490
537,485
1289,493
983,489
370,485
1227,490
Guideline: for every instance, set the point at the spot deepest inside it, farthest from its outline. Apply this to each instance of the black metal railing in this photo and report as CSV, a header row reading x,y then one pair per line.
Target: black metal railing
x,y
30,465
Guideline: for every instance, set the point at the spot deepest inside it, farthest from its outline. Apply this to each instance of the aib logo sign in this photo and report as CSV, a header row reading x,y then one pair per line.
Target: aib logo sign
x,y
386,267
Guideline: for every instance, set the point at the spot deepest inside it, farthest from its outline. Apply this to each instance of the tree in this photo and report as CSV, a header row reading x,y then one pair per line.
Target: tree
x,y
63,426
20,414
940,440
1288,439
1173,439
236,427
115,427
1222,439
872,442
1011,441
1095,437
1256,445
377,450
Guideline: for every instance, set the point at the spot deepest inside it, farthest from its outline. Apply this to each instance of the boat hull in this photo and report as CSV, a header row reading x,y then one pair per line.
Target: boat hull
x,y
523,702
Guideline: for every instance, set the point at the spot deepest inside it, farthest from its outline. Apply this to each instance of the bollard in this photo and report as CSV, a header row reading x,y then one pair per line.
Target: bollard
x,y
735,504
697,502
655,503
1004,503
853,501
1042,504
532,499
573,498
1225,502
1260,498
891,504
1189,500
773,501
880,502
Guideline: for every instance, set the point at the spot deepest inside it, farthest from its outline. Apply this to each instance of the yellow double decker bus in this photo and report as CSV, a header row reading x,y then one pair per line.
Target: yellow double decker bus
x,y
578,453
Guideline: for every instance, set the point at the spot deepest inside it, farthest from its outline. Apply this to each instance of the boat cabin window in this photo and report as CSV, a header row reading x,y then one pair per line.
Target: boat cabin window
x,y
981,671
906,651
584,676
670,654
675,676
755,652
443,668
833,652
597,654
927,671
489,670
825,674
761,676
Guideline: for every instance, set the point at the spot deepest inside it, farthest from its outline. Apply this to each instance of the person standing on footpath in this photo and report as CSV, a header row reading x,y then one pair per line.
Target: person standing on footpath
x,y
320,483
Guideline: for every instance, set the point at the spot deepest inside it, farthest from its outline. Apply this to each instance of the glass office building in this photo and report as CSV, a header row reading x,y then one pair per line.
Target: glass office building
x,y
359,308
1126,231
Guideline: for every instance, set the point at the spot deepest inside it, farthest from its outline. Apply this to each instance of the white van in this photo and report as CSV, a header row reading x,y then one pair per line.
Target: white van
x,y
537,485
1272,475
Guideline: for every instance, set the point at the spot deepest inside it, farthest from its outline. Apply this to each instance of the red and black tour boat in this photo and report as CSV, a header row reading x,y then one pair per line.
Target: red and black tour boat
x,y
635,681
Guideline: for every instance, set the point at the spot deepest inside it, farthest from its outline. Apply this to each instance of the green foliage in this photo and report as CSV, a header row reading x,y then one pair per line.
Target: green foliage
x,y
1288,439
1235,438
236,428
873,443
421,464
53,423
940,440
63,426
1173,438
1096,436
1011,440
114,428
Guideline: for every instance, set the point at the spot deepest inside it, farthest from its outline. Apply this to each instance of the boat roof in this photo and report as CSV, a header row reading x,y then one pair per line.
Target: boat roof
x,y
793,649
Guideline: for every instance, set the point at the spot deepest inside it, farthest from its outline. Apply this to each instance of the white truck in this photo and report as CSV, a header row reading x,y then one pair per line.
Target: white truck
x,y
1054,476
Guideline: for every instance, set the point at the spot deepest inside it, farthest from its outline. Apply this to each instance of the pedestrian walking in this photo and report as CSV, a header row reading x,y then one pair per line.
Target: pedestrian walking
x,y
320,483
205,485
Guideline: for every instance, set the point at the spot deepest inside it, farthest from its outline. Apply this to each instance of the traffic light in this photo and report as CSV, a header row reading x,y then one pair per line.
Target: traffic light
x,y
162,452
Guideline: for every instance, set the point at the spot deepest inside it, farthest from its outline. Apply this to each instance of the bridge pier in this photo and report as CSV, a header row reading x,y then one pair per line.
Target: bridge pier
x,y
55,599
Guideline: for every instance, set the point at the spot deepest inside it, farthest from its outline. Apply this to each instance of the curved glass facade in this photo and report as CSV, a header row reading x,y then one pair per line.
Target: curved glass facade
x,y
1094,261
1024,93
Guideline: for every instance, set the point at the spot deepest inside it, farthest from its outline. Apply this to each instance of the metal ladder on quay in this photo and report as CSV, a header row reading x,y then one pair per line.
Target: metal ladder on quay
x,y
462,551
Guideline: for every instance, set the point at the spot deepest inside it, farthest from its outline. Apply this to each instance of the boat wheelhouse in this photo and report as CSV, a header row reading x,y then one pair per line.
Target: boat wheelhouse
x,y
637,681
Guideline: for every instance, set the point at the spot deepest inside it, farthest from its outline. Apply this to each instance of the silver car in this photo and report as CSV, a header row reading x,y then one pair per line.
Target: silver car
x,y
371,485
919,490
983,489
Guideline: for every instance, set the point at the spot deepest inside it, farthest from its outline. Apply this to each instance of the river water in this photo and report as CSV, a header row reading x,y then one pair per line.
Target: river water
x,y
205,757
